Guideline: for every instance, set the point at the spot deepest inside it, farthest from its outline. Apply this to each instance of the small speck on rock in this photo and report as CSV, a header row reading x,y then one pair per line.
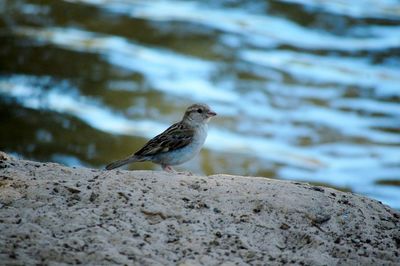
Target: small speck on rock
x,y
93,196
72,189
256,210
319,189
284,226
216,210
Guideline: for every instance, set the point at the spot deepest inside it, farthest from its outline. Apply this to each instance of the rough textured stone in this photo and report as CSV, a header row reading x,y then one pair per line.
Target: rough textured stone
x,y
51,214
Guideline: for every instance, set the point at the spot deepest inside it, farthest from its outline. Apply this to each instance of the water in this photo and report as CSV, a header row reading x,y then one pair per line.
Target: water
x,y
305,90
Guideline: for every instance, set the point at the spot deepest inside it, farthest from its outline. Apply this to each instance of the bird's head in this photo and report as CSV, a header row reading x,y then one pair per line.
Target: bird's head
x,y
198,113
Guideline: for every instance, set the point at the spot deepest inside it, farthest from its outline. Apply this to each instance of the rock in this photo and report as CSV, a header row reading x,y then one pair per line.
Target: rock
x,y
52,214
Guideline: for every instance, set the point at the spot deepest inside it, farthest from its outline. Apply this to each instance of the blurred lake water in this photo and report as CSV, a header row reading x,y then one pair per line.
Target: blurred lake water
x,y
305,90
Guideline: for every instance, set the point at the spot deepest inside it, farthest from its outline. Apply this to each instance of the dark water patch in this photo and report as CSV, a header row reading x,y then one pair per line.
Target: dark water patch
x,y
41,135
392,182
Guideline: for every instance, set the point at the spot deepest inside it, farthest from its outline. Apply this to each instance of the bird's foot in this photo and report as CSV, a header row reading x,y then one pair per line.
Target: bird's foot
x,y
168,168
188,173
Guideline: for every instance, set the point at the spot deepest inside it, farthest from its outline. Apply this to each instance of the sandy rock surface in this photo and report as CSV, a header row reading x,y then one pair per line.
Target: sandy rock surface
x,y
52,214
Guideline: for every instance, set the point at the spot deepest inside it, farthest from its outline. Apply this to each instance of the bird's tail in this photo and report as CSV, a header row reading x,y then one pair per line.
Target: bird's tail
x,y
122,162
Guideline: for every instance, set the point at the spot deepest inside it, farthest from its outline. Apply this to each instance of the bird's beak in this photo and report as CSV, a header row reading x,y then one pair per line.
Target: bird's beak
x,y
211,113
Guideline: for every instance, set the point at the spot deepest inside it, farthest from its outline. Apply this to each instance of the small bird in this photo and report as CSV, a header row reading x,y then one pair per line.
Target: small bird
x,y
177,144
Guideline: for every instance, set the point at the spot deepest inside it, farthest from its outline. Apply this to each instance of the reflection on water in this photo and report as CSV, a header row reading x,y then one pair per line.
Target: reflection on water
x,y
305,90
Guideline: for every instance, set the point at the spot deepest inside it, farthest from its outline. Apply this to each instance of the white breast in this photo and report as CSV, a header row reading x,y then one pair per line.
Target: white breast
x,y
186,153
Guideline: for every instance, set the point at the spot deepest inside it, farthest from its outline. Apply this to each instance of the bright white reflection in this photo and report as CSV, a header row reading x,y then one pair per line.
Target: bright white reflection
x,y
328,70
260,30
359,9
167,71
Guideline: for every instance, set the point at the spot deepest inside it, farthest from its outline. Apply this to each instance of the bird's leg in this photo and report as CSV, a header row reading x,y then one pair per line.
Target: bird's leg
x,y
168,168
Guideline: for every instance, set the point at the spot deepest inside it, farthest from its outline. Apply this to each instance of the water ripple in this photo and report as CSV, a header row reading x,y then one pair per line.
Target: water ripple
x,y
167,71
264,31
385,9
329,70
23,89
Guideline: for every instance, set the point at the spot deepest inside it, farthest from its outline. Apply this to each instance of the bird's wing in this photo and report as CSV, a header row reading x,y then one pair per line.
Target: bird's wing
x,y
176,136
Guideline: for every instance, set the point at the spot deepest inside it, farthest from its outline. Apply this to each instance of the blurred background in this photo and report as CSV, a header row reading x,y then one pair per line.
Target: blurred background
x,y
305,90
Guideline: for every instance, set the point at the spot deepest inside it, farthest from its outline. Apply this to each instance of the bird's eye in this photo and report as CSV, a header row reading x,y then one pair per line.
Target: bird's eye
x,y
199,111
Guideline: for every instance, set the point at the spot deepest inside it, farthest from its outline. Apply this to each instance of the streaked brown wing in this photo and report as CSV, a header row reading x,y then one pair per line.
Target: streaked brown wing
x,y
176,136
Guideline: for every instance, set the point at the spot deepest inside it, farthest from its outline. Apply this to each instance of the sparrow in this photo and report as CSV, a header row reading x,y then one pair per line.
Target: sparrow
x,y
177,144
